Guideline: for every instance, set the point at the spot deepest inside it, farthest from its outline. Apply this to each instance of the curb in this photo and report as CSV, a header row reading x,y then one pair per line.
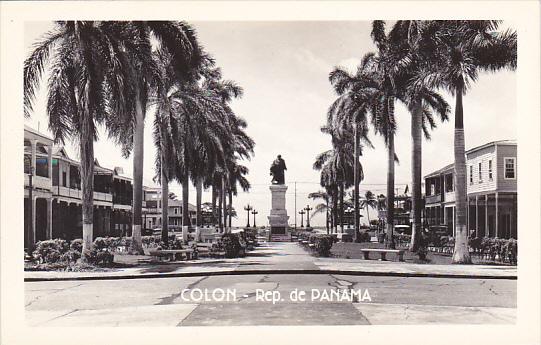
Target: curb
x,y
259,272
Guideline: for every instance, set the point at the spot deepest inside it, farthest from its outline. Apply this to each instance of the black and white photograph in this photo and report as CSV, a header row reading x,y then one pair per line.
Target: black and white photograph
x,y
198,172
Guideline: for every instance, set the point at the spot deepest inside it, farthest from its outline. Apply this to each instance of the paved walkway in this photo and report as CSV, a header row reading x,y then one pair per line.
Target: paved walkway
x,y
285,258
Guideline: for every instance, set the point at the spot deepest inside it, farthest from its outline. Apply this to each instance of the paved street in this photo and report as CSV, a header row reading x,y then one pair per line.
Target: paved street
x,y
271,299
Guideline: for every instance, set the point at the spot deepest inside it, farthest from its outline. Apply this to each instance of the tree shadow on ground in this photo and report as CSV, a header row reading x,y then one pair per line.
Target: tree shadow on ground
x,y
174,266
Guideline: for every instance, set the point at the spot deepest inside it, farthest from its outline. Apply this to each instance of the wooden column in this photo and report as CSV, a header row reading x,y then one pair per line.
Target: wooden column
x,y
468,216
33,144
32,239
487,232
50,162
49,232
453,210
496,215
477,215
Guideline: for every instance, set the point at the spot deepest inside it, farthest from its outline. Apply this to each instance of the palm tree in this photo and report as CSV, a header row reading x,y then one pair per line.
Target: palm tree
x,y
165,133
237,174
321,207
180,41
86,65
461,50
337,167
410,45
369,201
371,90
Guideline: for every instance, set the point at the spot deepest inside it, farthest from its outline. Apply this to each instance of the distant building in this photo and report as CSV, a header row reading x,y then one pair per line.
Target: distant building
x,y
402,212
491,189
153,215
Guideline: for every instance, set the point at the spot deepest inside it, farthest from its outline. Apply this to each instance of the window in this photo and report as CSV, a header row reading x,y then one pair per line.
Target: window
x,y
490,170
510,168
64,179
449,183
176,210
471,174
480,172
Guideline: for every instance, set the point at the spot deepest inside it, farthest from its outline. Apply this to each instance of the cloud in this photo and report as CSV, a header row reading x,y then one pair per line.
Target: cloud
x,y
310,61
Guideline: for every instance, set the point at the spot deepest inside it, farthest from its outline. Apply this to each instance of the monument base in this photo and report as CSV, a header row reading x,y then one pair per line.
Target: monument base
x,y
278,218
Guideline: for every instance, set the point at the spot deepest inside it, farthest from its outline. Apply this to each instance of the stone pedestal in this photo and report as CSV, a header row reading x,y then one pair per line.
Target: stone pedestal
x,y
278,215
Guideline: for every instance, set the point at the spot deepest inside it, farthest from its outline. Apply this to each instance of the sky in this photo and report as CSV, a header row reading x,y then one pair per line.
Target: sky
x,y
283,68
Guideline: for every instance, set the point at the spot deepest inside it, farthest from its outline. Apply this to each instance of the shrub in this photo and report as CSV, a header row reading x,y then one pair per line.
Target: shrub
x,y
231,245
98,257
50,251
155,241
70,256
495,248
323,244
76,245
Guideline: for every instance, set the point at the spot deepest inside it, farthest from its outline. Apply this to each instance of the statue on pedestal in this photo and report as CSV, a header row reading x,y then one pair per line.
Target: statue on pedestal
x,y
277,170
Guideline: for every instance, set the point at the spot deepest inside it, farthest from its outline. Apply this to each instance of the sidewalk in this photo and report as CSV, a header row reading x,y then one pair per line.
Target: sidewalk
x,y
283,258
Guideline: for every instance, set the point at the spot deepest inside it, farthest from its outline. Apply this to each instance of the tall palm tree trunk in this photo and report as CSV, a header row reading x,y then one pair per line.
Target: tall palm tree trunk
x,y
198,197
87,176
224,203
356,182
461,253
220,201
165,202
335,209
341,207
138,150
230,207
185,196
214,197
327,215
416,165
390,191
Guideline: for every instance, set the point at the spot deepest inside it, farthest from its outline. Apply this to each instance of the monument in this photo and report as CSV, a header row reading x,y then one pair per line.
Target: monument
x,y
278,218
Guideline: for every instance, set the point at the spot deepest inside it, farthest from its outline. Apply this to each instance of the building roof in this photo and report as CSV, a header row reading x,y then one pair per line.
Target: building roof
x,y
441,171
37,134
178,203
497,142
477,148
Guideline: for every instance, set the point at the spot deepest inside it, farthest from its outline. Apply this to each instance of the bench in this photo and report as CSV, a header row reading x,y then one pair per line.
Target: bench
x,y
172,254
383,253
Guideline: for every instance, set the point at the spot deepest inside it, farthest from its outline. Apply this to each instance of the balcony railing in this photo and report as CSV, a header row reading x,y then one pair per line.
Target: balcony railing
x,y
78,194
450,196
69,192
103,196
431,199
38,182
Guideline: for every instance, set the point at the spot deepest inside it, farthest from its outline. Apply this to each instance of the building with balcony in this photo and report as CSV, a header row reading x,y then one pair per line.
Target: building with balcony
x,y
38,171
491,192
153,213
53,195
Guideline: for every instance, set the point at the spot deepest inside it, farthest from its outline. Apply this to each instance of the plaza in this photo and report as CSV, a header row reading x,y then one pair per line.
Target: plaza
x,y
399,293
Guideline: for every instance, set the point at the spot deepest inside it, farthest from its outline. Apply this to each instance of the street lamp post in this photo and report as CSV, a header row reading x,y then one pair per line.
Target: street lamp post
x,y
308,209
254,212
248,208
301,212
